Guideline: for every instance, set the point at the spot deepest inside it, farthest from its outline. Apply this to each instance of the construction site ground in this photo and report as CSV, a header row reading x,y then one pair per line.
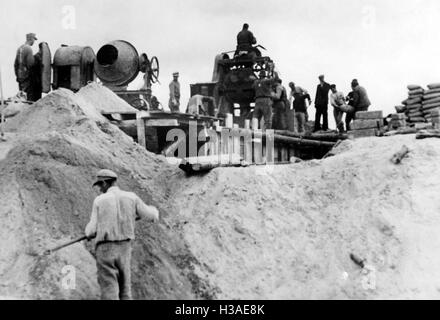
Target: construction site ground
x,y
281,232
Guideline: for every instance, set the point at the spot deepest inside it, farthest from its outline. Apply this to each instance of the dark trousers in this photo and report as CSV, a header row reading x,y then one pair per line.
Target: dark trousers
x,y
279,121
338,114
25,85
350,116
301,122
113,260
263,108
321,111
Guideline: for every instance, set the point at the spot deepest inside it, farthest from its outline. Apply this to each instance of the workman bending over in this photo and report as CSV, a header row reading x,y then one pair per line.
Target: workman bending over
x,y
112,224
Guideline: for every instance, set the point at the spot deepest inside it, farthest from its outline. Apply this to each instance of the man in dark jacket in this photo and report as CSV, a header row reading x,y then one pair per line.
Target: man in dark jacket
x,y
245,39
300,107
280,105
321,104
24,60
35,72
361,102
264,96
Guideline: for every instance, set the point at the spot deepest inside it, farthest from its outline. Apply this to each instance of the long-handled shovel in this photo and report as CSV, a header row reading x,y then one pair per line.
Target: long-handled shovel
x,y
50,251
2,107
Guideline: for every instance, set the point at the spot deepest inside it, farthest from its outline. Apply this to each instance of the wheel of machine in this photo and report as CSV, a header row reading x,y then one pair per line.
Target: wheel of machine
x,y
154,69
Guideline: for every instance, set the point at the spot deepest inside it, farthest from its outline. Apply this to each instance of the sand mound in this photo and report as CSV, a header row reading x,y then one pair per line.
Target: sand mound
x,y
47,171
289,234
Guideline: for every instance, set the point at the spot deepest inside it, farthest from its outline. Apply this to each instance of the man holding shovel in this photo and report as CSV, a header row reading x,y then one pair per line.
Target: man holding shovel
x,y
112,226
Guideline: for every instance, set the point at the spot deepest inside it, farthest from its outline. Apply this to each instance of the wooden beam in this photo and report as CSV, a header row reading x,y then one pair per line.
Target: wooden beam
x,y
140,123
161,123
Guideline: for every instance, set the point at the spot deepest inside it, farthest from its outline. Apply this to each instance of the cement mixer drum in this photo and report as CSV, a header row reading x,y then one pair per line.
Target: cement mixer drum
x,y
117,63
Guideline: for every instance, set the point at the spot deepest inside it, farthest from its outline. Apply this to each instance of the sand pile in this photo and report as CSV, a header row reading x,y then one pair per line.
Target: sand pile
x,y
289,234
46,171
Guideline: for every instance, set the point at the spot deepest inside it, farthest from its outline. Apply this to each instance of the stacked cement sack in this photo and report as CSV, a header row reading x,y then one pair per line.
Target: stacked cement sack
x,y
367,124
414,105
431,102
435,118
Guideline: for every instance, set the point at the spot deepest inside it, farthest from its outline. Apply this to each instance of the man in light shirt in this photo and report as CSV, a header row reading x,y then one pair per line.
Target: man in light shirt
x,y
337,100
112,225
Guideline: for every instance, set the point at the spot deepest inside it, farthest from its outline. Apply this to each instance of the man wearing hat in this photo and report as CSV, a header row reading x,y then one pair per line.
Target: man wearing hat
x,y
112,225
24,60
174,103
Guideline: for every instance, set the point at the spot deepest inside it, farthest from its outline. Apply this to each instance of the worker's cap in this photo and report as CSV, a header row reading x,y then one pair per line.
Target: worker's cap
x,y
105,175
321,76
333,86
175,74
31,36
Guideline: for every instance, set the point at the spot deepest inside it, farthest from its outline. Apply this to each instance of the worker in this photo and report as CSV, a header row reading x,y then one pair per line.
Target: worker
x,y
24,61
299,98
36,70
245,39
201,105
337,100
350,110
174,103
112,225
361,101
263,99
280,105
321,104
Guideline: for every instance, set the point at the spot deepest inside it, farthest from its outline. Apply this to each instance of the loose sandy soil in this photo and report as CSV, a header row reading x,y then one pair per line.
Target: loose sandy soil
x,y
285,232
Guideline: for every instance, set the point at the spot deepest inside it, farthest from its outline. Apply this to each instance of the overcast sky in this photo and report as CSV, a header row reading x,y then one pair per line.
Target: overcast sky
x,y
385,44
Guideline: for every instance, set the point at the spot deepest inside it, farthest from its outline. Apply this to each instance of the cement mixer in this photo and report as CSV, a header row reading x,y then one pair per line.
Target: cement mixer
x,y
118,63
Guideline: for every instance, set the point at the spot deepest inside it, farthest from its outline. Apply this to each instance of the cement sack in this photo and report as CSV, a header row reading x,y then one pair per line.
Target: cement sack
x,y
430,101
414,101
412,97
414,87
400,109
415,114
434,85
431,106
431,96
416,91
414,106
416,119
436,90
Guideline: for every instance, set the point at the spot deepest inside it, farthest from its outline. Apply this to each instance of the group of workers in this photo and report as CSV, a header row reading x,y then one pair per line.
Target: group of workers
x,y
281,113
28,69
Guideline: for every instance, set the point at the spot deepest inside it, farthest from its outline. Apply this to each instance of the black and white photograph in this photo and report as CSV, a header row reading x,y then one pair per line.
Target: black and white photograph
x,y
206,151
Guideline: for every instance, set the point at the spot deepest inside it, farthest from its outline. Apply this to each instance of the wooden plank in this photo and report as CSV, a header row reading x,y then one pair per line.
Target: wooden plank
x,y
269,148
247,156
284,154
162,123
140,123
258,146
276,157
367,124
369,115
